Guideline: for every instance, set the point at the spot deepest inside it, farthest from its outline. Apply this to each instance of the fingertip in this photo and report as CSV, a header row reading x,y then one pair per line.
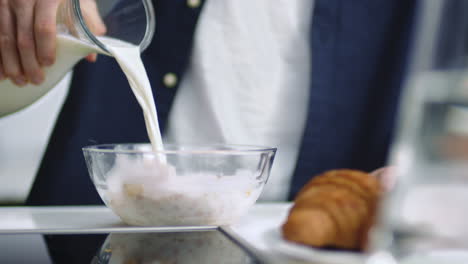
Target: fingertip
x,y
92,57
102,29
20,81
38,78
46,62
46,56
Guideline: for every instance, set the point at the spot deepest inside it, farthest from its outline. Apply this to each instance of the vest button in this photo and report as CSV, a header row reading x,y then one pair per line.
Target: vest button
x,y
170,79
193,3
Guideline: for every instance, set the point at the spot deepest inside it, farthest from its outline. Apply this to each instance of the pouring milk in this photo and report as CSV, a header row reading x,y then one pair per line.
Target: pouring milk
x,y
69,51
151,191
128,57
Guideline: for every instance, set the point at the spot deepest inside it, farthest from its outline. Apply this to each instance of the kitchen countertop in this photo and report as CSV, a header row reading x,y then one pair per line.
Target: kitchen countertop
x,y
254,231
97,219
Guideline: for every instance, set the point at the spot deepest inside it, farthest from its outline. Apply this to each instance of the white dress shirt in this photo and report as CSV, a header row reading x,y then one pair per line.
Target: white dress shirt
x,y
248,81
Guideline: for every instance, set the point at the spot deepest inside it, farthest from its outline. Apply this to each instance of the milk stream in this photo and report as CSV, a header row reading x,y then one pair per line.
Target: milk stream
x,y
128,57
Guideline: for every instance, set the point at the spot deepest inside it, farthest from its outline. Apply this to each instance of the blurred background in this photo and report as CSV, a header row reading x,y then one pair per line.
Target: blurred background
x,y
23,137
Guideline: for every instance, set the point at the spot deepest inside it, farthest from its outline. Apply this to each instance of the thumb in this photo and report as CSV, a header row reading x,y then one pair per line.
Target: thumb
x,y
92,17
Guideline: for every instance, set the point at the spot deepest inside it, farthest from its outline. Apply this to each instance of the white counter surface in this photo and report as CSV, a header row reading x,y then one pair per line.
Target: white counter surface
x,y
255,230
99,219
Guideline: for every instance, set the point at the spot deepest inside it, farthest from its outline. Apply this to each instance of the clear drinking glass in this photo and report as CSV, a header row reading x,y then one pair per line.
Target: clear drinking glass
x,y
424,216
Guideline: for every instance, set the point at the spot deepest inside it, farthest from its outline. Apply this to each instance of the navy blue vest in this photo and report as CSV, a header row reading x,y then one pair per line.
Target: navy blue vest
x,y
359,50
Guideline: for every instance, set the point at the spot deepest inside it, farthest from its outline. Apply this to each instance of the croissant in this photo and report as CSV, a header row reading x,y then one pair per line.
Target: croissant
x,y
334,209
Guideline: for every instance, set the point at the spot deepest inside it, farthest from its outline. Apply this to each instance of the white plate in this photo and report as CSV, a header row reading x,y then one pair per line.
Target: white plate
x,y
310,254
446,256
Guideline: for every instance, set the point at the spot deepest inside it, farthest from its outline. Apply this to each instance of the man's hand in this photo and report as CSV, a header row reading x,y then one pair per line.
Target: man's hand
x,y
28,37
386,176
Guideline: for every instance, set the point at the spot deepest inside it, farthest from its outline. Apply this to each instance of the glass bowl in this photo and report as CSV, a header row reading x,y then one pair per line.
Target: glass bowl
x,y
182,185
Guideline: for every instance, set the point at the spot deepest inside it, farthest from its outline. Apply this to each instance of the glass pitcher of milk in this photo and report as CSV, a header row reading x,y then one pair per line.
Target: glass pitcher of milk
x,y
131,21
